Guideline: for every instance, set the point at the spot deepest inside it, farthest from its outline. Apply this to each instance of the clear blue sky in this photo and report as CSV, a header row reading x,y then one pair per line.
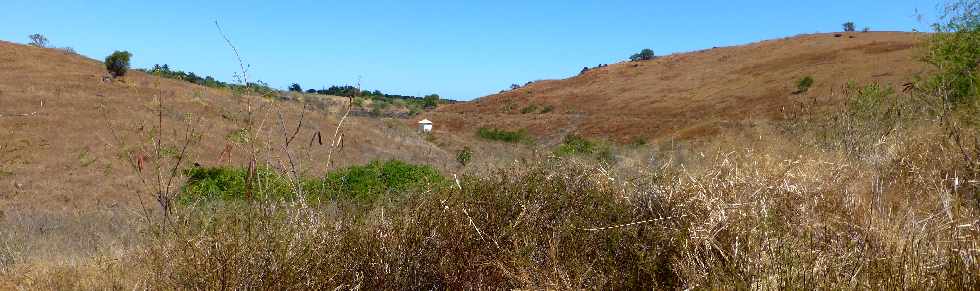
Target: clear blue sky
x,y
458,49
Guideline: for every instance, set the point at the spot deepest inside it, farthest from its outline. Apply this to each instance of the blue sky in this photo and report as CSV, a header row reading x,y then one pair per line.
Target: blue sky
x,y
458,49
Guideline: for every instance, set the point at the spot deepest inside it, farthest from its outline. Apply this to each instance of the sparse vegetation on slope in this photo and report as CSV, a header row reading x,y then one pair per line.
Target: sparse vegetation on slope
x,y
877,191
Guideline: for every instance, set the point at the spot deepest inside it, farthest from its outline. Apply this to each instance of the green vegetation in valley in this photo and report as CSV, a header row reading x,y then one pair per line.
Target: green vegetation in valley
x,y
363,184
496,134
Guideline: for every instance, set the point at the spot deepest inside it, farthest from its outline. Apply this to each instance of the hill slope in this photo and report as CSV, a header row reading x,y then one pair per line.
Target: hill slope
x,y
695,94
68,154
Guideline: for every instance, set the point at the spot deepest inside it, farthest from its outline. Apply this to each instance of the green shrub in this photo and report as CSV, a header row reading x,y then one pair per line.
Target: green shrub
x,y
804,84
362,184
577,145
574,144
954,51
464,156
638,141
519,136
529,109
369,182
547,108
221,183
869,103
848,26
644,55
358,102
118,63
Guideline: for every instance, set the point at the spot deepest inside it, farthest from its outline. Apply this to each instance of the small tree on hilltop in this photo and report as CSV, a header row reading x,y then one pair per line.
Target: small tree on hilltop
x,y
849,26
118,63
38,40
644,55
295,88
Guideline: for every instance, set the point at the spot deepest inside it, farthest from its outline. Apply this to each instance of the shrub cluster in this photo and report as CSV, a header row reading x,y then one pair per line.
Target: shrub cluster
x,y
518,136
361,184
574,144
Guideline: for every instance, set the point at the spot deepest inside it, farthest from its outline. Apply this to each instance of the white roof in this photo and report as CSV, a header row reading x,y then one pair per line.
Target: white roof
x,y
424,121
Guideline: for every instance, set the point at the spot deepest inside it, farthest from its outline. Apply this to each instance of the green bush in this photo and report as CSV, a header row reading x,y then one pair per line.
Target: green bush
x,y
219,183
529,109
804,84
118,63
464,156
519,136
644,55
574,144
363,184
369,182
848,26
577,145
547,108
869,103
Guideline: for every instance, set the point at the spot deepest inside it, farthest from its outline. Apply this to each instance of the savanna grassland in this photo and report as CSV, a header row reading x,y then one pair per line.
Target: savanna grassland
x,y
844,181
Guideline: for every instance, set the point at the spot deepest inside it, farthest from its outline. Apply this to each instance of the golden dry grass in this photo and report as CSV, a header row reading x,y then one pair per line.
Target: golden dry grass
x,y
696,94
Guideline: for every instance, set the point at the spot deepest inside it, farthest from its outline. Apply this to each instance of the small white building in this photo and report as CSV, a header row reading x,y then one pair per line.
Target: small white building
x,y
425,126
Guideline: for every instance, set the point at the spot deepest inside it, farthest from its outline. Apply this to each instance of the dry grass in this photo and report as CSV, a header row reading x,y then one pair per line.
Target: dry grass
x,y
750,220
812,203
695,94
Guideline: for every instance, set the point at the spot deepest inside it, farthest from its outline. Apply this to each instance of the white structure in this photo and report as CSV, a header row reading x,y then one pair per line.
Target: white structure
x,y
425,126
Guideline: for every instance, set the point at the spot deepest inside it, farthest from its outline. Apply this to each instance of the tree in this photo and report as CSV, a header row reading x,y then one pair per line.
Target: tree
x,y
38,40
804,84
644,55
311,91
848,26
295,88
118,63
430,101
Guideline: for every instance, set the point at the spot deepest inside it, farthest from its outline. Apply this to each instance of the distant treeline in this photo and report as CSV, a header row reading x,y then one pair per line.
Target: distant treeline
x,y
348,90
208,81
263,88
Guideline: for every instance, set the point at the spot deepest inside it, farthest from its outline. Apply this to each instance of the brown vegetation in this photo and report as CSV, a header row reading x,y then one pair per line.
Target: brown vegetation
x,y
697,94
857,188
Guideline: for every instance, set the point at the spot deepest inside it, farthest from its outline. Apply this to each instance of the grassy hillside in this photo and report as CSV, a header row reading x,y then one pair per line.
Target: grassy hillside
x,y
74,150
697,94
841,187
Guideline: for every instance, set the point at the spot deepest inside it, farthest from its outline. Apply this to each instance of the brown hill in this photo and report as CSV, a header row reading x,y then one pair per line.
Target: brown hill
x,y
67,153
698,93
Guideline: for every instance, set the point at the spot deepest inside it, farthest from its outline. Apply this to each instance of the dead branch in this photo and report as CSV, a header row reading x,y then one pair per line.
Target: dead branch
x,y
337,137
